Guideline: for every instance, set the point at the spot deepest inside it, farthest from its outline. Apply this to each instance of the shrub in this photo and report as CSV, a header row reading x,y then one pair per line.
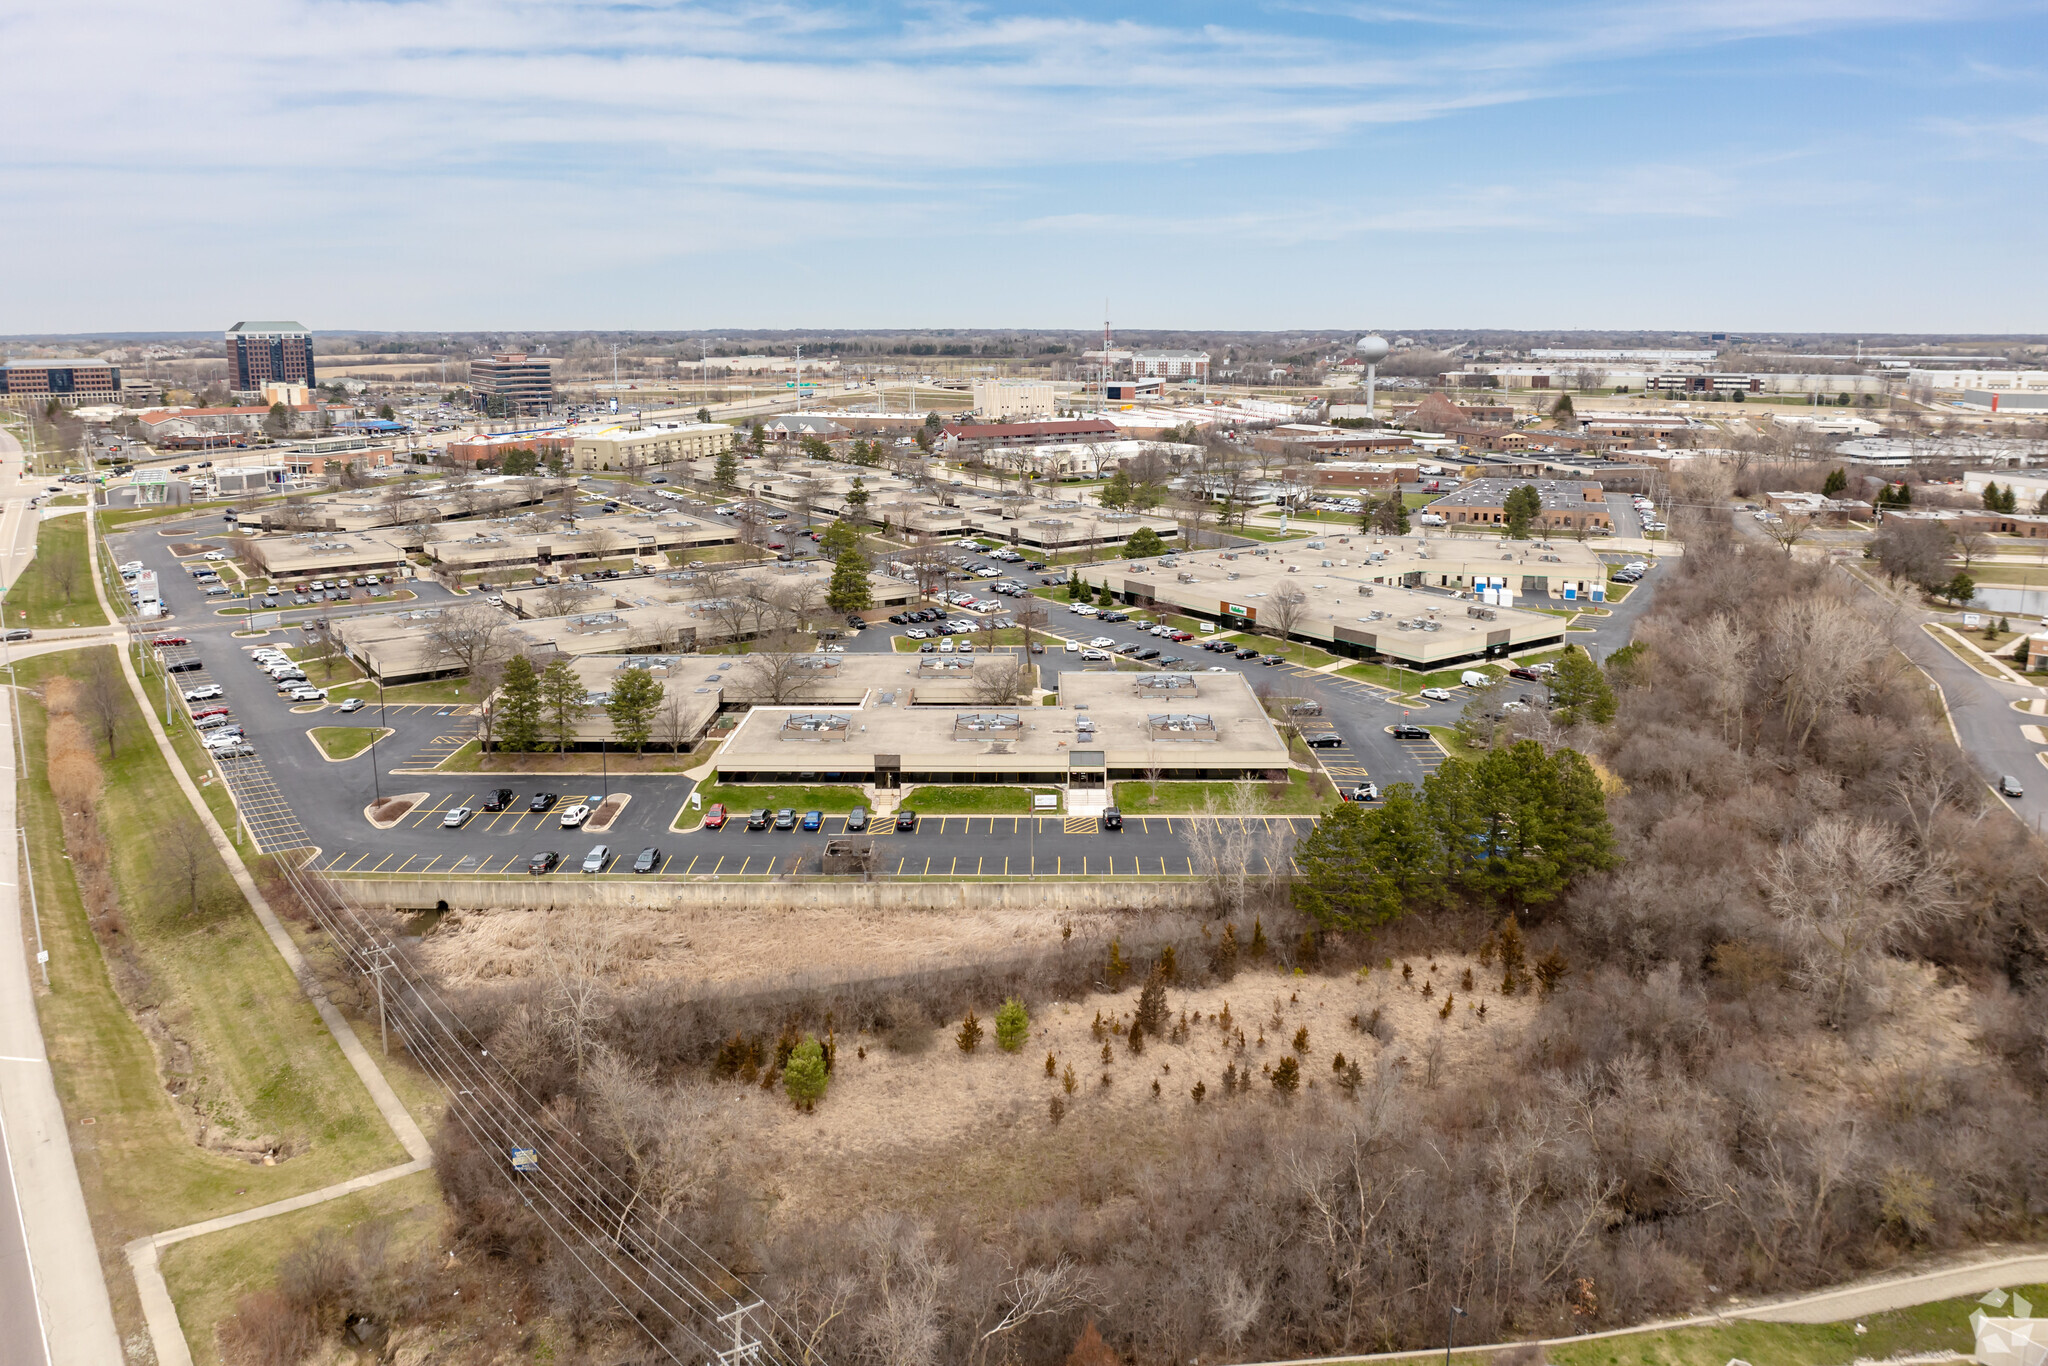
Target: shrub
x,y
804,1078
1150,1017
1013,1026
1301,1041
1287,1076
969,1037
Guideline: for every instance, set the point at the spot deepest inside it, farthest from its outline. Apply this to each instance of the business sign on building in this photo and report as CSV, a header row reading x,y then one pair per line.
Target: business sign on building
x,y
1239,610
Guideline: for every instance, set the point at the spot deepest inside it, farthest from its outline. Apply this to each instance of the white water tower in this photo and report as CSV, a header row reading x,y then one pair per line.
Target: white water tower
x,y
1372,349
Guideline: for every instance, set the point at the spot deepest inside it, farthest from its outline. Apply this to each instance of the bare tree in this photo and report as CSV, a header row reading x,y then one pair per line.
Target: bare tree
x,y
560,599
1971,546
469,638
1851,892
778,676
1000,680
188,852
672,722
580,956
1789,530
105,695
1285,611
801,597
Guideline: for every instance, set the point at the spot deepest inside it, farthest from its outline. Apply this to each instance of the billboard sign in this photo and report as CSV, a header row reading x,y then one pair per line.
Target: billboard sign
x,y
1240,610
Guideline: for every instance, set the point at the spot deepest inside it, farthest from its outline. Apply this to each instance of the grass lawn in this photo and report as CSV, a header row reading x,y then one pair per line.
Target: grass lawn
x,y
747,796
1306,795
1407,680
206,1276
1957,646
968,800
260,1061
433,690
1453,743
1926,1328
1299,652
323,671
345,742
56,588
470,759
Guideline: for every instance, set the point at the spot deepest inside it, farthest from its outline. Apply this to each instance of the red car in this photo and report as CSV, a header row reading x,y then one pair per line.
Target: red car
x,y
162,641
1180,637
205,712
714,816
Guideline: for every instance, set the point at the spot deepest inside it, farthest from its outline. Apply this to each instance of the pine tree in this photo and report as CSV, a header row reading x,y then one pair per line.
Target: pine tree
x,y
518,707
1287,1076
1223,958
1836,482
857,496
1143,544
969,1037
804,1077
848,591
1151,1012
1992,501
634,699
726,472
1580,690
562,701
1013,1026
1118,966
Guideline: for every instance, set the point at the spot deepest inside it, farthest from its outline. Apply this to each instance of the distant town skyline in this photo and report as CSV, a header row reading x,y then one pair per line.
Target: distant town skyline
x,y
1807,165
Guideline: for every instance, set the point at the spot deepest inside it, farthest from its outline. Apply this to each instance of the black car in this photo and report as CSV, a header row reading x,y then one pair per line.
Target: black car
x,y
542,801
856,624
761,819
898,619
20,633
184,666
1130,649
1116,616
1274,659
1148,653
1407,732
1329,739
857,820
1246,653
499,799
906,820
1112,819
649,860
543,862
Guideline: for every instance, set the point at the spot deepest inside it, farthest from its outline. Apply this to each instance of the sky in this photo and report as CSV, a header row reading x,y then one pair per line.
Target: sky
x,y
1746,165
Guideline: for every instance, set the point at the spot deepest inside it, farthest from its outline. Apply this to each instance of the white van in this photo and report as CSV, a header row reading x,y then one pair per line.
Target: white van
x,y
1472,678
1430,518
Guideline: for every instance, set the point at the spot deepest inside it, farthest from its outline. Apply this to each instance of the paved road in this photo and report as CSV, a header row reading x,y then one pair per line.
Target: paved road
x,y
54,1309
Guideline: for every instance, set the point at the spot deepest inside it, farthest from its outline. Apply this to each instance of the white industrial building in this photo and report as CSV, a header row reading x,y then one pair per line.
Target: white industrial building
x,y
1002,400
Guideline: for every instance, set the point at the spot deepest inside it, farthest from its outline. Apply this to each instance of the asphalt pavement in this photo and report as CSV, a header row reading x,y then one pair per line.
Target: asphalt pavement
x,y
292,797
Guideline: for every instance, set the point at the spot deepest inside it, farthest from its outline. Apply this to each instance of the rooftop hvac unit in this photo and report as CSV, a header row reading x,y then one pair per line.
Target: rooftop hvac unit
x,y
1365,590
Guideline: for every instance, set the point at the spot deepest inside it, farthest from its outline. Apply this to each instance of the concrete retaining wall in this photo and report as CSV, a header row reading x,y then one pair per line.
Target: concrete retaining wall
x,y
554,892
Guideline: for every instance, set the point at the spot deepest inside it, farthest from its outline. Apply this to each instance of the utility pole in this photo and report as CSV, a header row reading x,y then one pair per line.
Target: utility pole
x,y
743,1349
380,960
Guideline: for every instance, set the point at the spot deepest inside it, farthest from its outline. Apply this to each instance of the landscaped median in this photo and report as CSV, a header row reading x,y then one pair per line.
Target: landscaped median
x,y
1303,794
739,798
345,742
968,800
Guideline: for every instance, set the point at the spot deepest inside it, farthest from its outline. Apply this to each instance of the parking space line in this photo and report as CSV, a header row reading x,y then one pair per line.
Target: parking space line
x,y
693,864
744,862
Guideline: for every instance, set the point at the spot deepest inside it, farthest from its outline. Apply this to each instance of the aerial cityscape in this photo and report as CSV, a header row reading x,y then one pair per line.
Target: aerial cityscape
x,y
703,684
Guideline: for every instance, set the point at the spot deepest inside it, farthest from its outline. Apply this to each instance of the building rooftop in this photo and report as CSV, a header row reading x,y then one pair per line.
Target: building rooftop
x,y
266,327
1560,495
59,364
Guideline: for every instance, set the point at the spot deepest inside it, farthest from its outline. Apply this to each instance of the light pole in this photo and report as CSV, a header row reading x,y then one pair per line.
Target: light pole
x,y
1451,1331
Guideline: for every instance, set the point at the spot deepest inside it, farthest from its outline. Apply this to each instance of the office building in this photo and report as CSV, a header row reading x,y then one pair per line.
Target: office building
x,y
511,383
1170,364
269,353
67,381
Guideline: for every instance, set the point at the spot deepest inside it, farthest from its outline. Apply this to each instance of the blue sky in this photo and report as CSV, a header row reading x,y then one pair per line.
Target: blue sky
x,y
1839,165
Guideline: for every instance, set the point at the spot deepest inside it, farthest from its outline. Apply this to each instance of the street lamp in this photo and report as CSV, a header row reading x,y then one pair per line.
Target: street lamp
x,y
1450,1331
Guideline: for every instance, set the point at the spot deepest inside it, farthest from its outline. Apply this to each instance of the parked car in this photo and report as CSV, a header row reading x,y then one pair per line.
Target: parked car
x,y
184,666
456,817
760,818
813,820
785,819
543,862
1520,672
906,820
597,858
542,801
857,820
714,816
162,641
1437,694
573,816
207,693
1112,819
354,704
499,799
1405,731
1328,739
648,861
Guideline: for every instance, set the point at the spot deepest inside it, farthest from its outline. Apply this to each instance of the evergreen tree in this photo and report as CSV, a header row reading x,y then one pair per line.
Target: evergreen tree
x,y
1903,495
1150,1015
635,698
1074,592
1363,866
1013,1027
757,441
1116,494
1580,690
1522,507
839,538
704,416
1835,483
1143,544
804,1077
726,473
518,719
1107,599
1992,501
848,591
857,496
1960,589
562,701
519,460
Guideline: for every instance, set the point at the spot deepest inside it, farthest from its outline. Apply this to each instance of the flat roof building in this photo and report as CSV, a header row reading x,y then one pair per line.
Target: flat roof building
x,y
69,382
624,449
261,353
512,382
1170,364
1002,400
1568,504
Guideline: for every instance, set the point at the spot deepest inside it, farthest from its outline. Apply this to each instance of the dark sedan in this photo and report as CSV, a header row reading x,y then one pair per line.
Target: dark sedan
x,y
543,862
1407,732
542,801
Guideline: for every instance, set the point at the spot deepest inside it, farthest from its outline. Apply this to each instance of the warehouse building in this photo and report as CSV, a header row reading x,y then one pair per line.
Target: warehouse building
x,y
1568,504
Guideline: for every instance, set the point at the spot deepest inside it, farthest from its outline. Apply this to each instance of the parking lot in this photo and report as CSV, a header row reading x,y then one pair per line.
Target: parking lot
x,y
294,798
